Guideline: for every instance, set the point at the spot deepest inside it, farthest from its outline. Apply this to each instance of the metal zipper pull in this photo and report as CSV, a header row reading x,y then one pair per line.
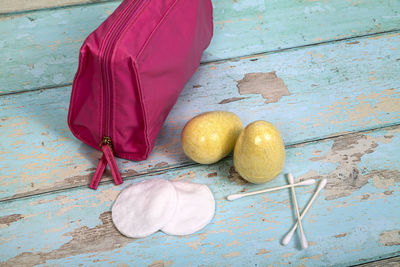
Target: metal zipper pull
x,y
108,152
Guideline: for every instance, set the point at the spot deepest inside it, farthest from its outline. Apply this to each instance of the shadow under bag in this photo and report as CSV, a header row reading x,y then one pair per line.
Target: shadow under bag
x,y
131,71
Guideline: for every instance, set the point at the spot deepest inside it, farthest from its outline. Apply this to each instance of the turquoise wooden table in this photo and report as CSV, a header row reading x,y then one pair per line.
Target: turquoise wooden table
x,y
337,107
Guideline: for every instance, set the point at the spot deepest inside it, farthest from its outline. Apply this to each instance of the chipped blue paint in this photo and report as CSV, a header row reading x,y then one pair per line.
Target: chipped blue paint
x,y
341,231
40,49
331,86
347,86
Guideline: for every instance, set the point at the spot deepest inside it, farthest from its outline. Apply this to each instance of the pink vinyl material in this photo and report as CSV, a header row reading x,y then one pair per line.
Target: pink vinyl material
x,y
132,69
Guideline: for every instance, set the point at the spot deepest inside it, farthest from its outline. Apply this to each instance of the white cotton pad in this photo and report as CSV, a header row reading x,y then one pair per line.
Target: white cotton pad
x,y
196,207
144,208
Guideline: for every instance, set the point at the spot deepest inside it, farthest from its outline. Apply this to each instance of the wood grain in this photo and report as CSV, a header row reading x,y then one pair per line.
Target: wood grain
x,y
340,119
40,49
391,262
334,88
15,6
74,226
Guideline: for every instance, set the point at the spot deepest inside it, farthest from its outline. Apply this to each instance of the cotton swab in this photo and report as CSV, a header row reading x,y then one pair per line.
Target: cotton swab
x,y
304,243
289,235
237,196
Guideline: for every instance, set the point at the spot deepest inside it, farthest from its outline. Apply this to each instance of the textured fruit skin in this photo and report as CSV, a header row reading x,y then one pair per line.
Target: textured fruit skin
x,y
259,154
210,136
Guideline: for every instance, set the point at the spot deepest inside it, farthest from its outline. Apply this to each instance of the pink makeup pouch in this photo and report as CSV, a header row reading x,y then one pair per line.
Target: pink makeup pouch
x,y
131,71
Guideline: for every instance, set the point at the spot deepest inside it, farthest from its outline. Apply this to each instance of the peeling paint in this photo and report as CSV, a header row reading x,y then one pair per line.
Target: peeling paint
x,y
388,193
213,174
390,238
233,243
231,254
57,229
347,151
314,257
311,174
9,219
65,209
340,235
232,99
267,84
160,263
375,103
263,251
198,242
103,237
161,164
384,179
365,196
235,177
61,199
128,173
107,196
383,36
364,108
188,176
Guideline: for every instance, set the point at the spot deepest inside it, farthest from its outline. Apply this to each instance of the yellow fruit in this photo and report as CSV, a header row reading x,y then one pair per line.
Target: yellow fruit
x,y
210,136
259,153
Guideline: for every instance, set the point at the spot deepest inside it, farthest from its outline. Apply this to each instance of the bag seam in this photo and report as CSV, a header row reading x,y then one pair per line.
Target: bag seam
x,y
117,45
76,133
136,66
142,104
102,95
156,27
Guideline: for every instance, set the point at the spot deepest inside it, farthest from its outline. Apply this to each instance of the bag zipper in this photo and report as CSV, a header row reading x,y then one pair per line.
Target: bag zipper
x,y
105,55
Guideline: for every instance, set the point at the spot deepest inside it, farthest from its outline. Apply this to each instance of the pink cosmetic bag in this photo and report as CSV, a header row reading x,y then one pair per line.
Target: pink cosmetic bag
x,y
131,71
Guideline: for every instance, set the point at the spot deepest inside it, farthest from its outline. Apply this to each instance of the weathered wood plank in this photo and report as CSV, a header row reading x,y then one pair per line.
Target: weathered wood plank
x,y
71,227
40,49
333,89
27,5
391,262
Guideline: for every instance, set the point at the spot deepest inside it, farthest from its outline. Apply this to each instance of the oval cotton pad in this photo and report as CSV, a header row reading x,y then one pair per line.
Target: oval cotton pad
x,y
196,207
144,208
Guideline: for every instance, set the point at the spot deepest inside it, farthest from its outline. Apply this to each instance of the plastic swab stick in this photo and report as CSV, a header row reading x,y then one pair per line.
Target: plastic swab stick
x,y
237,196
289,235
303,240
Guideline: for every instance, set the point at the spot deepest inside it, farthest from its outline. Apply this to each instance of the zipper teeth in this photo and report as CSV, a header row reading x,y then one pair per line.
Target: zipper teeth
x,y
107,94
108,47
103,72
107,53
